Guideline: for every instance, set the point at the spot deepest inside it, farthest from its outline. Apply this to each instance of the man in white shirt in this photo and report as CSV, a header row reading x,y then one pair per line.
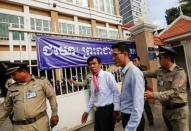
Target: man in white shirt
x,y
104,96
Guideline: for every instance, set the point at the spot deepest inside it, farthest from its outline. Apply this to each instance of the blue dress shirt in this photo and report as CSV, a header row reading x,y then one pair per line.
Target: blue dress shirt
x,y
132,95
108,92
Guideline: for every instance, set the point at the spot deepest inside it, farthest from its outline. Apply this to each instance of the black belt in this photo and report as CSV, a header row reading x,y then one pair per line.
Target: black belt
x,y
30,120
105,107
125,114
175,106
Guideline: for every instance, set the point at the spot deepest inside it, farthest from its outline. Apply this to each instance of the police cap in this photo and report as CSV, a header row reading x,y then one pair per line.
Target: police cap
x,y
166,51
16,66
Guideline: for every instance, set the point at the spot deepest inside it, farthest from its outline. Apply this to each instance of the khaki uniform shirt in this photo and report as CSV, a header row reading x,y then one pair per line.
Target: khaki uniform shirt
x,y
171,85
28,100
85,82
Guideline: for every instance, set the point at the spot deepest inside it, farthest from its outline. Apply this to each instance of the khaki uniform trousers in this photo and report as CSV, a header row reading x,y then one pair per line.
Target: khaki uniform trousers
x,y
40,125
177,119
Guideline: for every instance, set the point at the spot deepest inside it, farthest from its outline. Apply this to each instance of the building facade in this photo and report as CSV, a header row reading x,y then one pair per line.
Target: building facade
x,y
134,10
83,18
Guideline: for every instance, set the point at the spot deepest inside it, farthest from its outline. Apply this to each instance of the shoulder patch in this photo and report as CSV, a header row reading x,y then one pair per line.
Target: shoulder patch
x,y
12,86
179,68
40,77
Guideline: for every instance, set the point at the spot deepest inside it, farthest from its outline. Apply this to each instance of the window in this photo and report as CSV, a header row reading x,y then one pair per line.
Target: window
x,y
112,3
100,32
66,28
138,9
83,3
70,1
13,21
40,25
107,6
127,14
18,36
85,30
113,34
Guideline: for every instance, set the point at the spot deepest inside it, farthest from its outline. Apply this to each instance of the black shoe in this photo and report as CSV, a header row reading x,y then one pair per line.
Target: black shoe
x,y
151,123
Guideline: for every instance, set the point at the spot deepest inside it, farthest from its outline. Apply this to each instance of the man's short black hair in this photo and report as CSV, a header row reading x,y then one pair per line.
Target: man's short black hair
x,y
93,57
121,46
137,57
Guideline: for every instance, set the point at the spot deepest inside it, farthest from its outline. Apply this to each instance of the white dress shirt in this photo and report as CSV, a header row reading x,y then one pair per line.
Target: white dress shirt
x,y
108,92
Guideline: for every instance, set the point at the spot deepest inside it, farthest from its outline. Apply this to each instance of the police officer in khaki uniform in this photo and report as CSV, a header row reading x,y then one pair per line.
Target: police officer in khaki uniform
x,y
85,82
172,91
26,98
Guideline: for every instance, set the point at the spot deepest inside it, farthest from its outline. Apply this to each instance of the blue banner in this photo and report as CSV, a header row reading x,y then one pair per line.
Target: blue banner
x,y
61,52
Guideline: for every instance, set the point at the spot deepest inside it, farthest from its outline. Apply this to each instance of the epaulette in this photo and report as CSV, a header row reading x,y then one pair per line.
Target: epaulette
x,y
179,68
40,77
12,85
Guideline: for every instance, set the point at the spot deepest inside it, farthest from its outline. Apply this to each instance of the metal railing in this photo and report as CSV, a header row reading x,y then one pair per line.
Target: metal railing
x,y
62,85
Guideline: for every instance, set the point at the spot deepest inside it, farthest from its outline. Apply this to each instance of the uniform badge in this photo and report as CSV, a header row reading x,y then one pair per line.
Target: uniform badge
x,y
34,85
160,83
31,94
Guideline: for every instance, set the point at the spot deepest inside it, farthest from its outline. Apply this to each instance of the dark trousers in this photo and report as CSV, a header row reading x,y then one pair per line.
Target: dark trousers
x,y
104,118
167,122
148,112
125,119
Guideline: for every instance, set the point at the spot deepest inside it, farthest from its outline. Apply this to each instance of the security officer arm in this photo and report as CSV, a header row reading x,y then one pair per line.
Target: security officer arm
x,y
177,85
50,94
77,83
150,74
5,108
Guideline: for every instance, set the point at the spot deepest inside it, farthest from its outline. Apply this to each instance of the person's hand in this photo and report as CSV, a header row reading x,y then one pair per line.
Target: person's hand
x,y
71,82
54,121
149,88
148,94
117,116
84,117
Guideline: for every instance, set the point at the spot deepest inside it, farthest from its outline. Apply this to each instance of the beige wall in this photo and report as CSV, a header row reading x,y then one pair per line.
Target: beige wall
x,y
143,41
54,21
113,26
4,48
54,24
9,6
66,17
120,32
142,45
39,12
187,47
100,24
91,3
93,24
18,48
117,7
82,20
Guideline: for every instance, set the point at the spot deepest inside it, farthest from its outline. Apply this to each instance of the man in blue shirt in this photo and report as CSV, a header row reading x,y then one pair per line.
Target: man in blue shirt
x,y
104,96
132,91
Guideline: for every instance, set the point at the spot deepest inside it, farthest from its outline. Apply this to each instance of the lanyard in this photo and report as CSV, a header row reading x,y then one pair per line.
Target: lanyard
x,y
124,79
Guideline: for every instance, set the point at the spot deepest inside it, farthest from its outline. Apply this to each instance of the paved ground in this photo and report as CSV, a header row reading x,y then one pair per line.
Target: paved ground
x,y
156,108
159,123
